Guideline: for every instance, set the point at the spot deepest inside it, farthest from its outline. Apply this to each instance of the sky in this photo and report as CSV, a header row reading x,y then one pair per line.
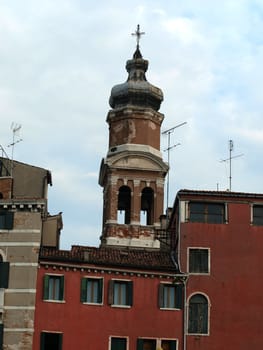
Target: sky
x,y
59,60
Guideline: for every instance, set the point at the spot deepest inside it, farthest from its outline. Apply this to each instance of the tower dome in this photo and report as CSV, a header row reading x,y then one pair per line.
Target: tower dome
x,y
136,91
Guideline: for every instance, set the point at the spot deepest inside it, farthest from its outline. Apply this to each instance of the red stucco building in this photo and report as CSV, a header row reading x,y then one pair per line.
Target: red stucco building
x,y
220,239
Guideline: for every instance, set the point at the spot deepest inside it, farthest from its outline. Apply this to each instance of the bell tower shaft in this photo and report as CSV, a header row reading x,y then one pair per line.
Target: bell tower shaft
x,y
133,172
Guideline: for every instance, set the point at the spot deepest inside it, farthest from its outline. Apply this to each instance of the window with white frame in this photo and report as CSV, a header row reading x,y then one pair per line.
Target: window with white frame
x,y
198,314
210,213
118,343
120,293
91,290
53,287
198,260
170,296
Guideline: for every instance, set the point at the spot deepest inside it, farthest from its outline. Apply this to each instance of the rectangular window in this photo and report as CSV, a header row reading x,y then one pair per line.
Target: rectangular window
x,y
51,341
4,274
120,293
118,343
258,215
6,220
146,344
53,287
168,344
170,296
91,290
198,260
210,213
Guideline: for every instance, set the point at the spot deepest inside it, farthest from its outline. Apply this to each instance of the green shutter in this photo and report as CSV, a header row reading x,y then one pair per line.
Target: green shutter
x,y
9,219
179,296
173,344
45,287
100,290
110,292
1,335
60,339
139,344
160,295
61,288
130,293
83,290
42,341
4,274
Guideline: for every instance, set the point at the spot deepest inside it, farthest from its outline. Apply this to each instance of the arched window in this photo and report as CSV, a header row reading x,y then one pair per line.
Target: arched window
x,y
198,314
124,205
147,199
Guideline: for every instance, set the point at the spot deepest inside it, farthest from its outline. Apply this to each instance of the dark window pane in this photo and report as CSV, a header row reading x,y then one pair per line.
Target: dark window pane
x,y
169,344
51,341
258,215
213,213
198,260
118,343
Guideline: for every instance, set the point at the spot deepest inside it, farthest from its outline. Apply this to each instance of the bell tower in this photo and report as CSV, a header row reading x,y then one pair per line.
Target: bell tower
x,y
133,173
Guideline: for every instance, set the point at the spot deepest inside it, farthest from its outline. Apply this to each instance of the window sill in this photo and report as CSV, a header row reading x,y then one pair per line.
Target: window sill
x,y
54,301
92,304
121,306
170,309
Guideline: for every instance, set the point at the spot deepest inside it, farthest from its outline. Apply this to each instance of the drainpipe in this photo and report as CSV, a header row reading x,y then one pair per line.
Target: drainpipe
x,y
185,281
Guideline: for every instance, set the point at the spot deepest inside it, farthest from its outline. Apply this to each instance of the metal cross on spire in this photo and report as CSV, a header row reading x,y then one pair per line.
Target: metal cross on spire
x,y
138,34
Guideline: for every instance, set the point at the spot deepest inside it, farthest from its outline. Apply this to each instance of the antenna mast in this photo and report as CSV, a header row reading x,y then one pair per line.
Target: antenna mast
x,y
169,147
231,148
15,129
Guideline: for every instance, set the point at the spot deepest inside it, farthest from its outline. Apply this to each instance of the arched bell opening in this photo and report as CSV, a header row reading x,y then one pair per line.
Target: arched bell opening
x,y
124,205
147,205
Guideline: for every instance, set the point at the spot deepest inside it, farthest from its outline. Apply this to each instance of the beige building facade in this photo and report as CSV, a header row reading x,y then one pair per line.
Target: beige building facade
x,y
23,224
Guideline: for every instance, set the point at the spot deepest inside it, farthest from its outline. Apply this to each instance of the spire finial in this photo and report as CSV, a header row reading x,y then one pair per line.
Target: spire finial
x,y
138,35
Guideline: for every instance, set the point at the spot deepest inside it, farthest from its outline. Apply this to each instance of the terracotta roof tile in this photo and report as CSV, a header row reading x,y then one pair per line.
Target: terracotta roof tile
x,y
110,257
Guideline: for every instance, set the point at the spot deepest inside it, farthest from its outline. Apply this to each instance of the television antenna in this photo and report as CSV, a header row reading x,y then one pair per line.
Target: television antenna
x,y
231,148
168,149
15,129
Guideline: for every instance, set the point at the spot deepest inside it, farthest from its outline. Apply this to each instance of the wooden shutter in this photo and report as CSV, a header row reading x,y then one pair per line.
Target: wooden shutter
x,y
100,289
1,335
61,288
130,293
42,341
160,295
83,290
60,339
4,274
110,292
139,344
46,287
173,344
179,296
